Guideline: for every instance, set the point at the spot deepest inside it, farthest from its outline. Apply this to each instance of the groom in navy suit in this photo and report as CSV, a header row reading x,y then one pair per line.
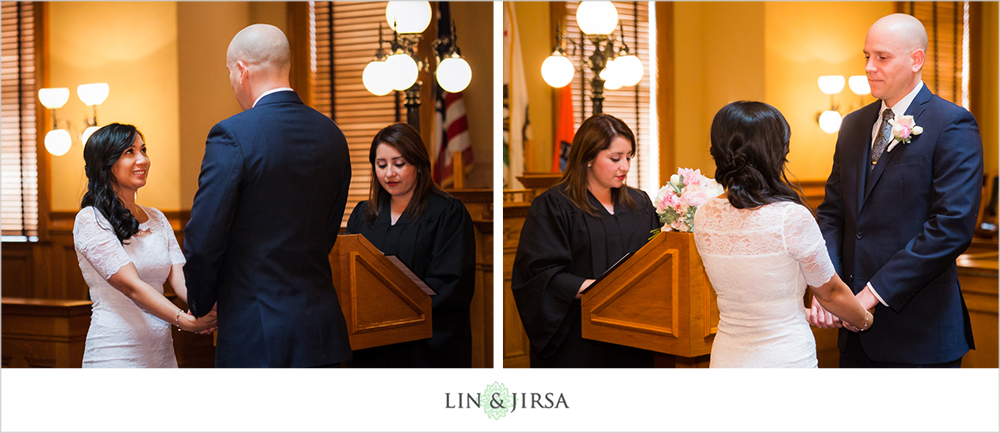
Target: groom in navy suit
x,y
900,206
270,200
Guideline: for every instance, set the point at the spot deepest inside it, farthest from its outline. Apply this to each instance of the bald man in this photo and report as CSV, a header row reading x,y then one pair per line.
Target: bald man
x,y
270,200
900,206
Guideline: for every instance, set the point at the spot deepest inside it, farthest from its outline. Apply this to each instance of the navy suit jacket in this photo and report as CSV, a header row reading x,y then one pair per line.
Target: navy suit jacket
x,y
271,196
902,225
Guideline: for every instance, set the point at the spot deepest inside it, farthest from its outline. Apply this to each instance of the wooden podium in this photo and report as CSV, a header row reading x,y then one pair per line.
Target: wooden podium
x,y
381,301
658,299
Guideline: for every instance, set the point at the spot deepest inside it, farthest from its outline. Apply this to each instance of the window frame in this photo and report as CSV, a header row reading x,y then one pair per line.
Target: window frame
x,y
43,118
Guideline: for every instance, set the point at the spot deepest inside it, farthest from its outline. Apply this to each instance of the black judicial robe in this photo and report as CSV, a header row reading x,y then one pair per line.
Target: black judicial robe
x,y
561,245
440,248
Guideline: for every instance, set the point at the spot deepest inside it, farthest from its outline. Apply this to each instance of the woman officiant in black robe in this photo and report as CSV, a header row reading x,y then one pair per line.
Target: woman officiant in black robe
x,y
431,232
573,233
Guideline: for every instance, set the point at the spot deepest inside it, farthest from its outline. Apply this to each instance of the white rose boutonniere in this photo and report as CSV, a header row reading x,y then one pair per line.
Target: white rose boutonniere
x,y
904,129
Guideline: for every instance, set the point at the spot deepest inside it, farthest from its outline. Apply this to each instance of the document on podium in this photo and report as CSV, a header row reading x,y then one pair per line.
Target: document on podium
x,y
413,277
607,272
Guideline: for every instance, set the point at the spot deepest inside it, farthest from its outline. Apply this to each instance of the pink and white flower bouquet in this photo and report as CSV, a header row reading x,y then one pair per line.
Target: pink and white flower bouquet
x,y
678,200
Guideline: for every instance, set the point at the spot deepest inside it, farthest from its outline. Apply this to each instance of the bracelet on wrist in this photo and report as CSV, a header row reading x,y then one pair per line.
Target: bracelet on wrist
x,y
177,318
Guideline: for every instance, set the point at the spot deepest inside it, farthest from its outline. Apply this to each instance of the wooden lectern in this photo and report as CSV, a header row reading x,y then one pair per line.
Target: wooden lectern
x,y
382,300
658,299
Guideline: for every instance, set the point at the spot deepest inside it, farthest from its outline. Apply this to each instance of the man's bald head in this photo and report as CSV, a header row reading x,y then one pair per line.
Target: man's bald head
x,y
895,49
260,45
258,60
904,30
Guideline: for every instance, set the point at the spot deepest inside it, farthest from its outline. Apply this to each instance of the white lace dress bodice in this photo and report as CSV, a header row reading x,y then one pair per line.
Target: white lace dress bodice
x,y
121,333
759,262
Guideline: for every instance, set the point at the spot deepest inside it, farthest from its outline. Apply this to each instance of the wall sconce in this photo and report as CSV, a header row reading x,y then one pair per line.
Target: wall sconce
x,y
58,140
859,85
92,95
613,68
829,120
398,67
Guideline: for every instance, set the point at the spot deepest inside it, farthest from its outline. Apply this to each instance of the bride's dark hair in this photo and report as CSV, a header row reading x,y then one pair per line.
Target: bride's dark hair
x,y
102,150
750,148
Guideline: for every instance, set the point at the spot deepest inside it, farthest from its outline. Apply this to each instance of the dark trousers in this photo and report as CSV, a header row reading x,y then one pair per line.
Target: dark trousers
x,y
854,357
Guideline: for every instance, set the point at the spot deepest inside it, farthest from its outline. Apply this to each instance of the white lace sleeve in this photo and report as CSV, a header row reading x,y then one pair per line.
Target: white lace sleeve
x,y
95,240
173,248
805,243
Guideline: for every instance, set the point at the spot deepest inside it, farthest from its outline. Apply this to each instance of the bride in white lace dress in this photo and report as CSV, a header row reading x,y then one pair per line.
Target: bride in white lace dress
x,y
762,247
126,253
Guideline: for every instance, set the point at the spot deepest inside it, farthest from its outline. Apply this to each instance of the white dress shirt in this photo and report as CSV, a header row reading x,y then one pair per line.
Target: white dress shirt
x,y
279,89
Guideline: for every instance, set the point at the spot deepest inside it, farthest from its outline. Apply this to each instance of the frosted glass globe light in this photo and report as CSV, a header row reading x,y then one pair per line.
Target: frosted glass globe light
x,y
557,70
608,70
613,84
454,74
629,69
402,70
87,133
57,142
611,75
597,17
831,84
376,78
53,98
93,94
859,85
829,121
408,16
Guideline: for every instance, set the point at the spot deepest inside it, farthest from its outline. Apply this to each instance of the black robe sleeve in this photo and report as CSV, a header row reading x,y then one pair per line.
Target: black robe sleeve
x,y
357,218
543,288
451,273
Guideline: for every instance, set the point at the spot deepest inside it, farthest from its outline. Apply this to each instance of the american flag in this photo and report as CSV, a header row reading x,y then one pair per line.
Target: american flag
x,y
451,130
452,135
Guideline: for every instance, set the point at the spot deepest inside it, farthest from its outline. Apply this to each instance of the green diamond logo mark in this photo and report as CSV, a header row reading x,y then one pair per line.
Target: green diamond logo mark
x,y
496,401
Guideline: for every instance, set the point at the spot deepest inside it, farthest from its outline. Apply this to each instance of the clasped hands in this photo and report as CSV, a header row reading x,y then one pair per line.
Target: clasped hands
x,y
208,319
821,318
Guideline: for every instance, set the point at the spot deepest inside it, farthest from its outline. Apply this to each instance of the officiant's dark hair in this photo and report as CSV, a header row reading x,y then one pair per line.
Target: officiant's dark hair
x,y
750,148
406,140
594,135
103,149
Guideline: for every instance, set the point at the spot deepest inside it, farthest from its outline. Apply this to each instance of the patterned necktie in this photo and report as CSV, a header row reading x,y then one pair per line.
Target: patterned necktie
x,y
884,137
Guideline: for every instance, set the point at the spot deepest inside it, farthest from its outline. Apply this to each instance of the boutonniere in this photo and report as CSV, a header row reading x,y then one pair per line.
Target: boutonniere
x,y
904,128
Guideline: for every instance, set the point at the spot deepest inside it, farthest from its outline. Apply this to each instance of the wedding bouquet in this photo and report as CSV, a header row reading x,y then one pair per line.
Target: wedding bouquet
x,y
678,200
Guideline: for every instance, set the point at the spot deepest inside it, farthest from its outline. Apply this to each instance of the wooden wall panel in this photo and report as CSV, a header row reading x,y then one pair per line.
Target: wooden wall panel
x,y
813,191
18,278
73,284
515,341
479,203
978,275
43,333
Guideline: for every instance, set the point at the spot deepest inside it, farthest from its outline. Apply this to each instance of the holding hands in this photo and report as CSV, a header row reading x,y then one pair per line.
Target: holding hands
x,y
869,318
199,325
821,318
